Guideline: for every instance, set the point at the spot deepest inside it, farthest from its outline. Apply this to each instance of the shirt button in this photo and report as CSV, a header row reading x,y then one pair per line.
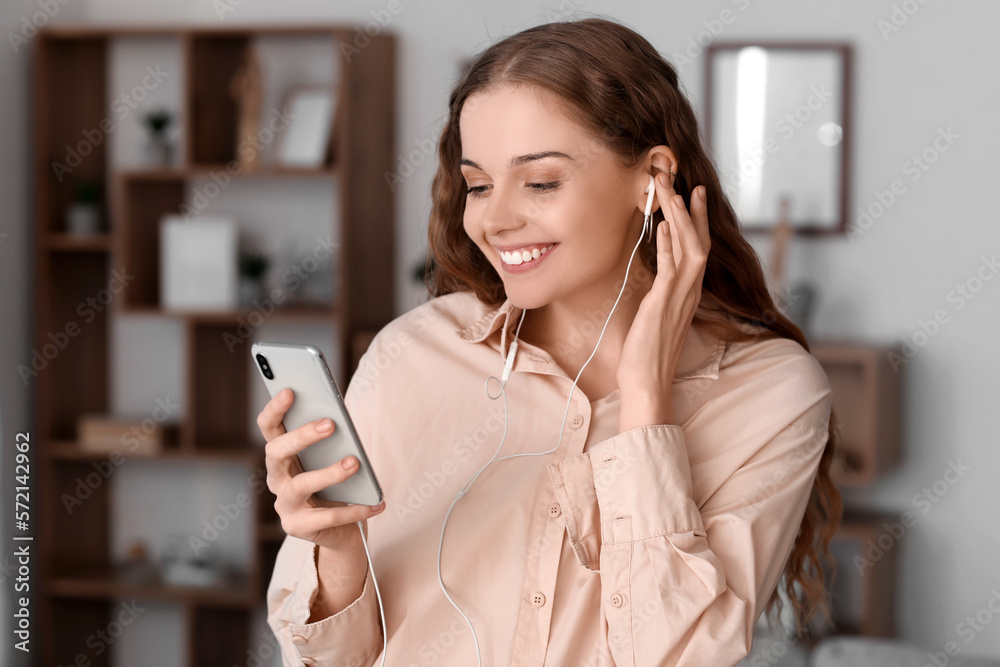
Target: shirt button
x,y
298,640
577,422
617,600
554,510
538,599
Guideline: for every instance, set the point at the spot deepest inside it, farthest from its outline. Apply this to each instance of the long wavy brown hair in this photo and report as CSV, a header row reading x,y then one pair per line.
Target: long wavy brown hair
x,y
616,85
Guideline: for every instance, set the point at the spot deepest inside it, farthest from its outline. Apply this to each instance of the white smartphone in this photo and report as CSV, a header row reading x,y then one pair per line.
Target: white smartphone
x,y
303,369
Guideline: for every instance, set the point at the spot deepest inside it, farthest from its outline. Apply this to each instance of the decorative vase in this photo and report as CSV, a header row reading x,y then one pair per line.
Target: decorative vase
x,y
250,290
159,150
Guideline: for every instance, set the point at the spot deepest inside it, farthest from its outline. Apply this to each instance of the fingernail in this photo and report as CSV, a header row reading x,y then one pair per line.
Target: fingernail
x,y
662,178
325,425
378,508
678,201
285,393
350,462
701,192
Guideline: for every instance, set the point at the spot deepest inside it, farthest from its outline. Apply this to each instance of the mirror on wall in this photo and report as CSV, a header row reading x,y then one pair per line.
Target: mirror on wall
x,y
777,118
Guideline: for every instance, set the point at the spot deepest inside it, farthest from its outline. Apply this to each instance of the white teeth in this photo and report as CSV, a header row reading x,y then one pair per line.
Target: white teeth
x,y
515,258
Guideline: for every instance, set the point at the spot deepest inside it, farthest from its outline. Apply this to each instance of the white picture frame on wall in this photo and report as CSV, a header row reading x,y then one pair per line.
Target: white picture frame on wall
x,y
198,263
304,144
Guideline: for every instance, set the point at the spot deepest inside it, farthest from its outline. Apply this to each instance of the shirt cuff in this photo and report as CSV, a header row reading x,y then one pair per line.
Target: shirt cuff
x,y
352,637
630,487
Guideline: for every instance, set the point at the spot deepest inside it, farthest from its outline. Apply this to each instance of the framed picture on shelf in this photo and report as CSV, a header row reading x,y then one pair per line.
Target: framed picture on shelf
x,y
198,263
306,142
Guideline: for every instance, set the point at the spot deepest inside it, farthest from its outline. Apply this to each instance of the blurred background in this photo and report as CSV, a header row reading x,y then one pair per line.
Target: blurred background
x,y
180,179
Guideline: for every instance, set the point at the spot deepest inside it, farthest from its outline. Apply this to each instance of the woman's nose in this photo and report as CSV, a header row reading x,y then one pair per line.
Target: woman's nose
x,y
501,215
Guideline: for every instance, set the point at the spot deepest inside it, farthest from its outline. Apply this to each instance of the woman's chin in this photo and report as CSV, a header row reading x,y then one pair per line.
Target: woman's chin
x,y
526,299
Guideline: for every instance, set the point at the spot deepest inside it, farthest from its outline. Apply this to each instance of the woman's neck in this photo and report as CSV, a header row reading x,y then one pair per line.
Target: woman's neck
x,y
569,329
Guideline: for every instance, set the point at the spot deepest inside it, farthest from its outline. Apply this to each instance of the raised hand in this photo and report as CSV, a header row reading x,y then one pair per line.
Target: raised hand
x,y
653,346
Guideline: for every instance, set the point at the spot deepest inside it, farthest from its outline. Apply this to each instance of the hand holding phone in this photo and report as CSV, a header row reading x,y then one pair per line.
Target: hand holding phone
x,y
312,472
304,514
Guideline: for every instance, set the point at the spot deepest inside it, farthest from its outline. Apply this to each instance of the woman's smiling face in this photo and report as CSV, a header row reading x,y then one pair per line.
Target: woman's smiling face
x,y
548,203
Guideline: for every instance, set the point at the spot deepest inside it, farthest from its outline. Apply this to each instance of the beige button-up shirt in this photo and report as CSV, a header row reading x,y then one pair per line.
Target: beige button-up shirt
x,y
657,546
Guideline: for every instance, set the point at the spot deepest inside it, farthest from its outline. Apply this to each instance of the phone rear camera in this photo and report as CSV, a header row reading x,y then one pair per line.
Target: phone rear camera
x,y
265,367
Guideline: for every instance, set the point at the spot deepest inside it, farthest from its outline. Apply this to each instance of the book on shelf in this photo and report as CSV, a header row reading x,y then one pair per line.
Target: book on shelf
x,y
103,434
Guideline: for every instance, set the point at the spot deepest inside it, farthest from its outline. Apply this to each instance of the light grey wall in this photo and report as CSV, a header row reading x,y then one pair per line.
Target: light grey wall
x,y
937,71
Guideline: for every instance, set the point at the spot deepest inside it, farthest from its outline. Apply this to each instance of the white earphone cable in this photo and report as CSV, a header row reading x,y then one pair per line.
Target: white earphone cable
x,y
378,594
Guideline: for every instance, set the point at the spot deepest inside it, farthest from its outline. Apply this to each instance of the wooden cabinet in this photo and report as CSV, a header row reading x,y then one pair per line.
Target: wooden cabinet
x,y
866,399
77,301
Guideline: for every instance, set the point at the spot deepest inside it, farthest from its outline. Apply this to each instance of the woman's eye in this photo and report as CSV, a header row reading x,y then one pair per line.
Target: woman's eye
x,y
543,187
478,190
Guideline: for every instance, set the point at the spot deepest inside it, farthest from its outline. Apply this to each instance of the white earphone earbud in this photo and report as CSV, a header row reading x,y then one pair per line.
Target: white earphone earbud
x,y
651,189
647,221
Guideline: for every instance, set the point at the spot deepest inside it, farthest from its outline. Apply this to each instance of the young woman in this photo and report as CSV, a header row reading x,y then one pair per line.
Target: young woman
x,y
660,495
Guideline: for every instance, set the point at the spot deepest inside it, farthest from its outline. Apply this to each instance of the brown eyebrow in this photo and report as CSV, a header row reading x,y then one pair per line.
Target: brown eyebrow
x,y
520,159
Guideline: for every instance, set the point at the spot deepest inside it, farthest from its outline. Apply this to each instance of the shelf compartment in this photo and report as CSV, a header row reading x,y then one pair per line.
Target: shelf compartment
x,y
70,355
219,637
73,122
74,623
76,530
287,60
217,388
862,591
143,202
210,105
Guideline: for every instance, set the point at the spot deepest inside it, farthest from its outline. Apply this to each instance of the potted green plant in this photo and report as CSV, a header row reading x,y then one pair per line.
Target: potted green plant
x,y
252,266
83,216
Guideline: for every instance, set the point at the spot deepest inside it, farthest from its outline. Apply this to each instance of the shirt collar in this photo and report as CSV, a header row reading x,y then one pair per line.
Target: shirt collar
x,y
700,356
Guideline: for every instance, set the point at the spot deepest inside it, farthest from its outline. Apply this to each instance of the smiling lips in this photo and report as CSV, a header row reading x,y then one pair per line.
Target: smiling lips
x,y
524,255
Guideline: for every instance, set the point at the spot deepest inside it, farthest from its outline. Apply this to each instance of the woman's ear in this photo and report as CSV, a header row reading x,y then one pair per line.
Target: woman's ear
x,y
659,159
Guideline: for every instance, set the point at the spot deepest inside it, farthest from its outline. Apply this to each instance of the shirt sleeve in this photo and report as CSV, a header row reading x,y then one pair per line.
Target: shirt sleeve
x,y
683,585
353,636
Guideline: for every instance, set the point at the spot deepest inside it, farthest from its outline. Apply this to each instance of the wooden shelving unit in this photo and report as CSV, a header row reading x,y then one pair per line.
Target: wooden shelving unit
x,y
867,401
80,582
